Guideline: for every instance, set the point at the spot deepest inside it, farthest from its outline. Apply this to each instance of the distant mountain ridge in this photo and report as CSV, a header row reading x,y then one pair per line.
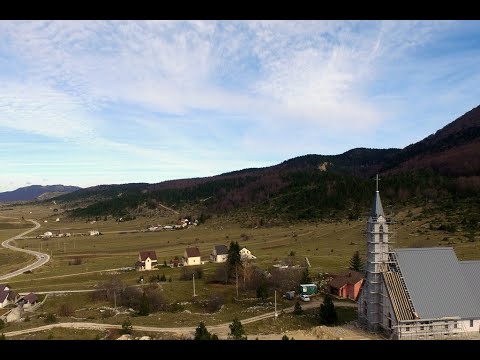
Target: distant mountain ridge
x,y
34,192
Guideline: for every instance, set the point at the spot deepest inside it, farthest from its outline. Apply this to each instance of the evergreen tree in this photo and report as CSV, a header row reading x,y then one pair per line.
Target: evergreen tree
x,y
306,279
262,292
298,309
285,337
201,333
144,306
233,259
327,314
356,262
237,332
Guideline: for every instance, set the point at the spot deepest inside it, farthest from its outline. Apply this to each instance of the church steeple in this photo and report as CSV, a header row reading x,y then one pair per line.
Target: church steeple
x,y
377,208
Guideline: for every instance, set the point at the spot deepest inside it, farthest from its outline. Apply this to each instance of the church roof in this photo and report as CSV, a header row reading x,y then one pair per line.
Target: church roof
x,y
471,272
436,283
377,208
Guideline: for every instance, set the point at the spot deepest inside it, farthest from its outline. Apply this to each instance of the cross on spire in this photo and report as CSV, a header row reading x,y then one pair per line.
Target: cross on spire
x,y
377,180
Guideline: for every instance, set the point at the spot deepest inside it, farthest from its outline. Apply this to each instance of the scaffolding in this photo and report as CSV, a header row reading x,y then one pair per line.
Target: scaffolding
x,y
431,329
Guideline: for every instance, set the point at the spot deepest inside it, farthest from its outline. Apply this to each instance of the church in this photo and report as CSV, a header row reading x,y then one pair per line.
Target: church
x,y
416,293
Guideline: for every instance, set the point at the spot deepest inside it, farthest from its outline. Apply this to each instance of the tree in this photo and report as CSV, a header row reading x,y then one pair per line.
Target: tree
x,y
285,337
2,337
356,262
237,332
127,327
327,314
233,259
306,277
144,305
2,324
262,292
201,333
298,309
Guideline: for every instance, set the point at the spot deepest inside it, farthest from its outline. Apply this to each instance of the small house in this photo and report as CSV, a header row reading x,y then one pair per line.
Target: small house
x,y
147,260
192,256
346,285
28,300
246,254
4,298
307,289
219,254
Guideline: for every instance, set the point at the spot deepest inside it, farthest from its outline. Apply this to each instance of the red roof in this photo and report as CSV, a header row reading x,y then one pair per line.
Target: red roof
x,y
193,252
351,277
30,298
145,254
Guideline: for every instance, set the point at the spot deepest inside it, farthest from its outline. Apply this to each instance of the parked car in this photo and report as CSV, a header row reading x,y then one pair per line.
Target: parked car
x,y
304,297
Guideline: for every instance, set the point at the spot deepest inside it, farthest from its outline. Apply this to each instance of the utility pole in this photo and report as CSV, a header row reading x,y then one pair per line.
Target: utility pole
x,y
194,285
236,275
275,305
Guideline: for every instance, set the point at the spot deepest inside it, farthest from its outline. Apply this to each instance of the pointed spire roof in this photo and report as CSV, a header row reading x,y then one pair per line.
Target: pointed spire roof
x,y
377,208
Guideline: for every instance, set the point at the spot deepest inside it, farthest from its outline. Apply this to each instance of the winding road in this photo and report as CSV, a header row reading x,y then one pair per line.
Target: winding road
x,y
221,329
41,257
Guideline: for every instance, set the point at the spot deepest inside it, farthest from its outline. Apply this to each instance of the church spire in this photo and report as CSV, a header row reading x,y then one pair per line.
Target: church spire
x,y
377,208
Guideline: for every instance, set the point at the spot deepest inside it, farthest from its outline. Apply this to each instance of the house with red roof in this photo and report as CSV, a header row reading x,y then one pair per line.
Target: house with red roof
x,y
346,285
147,260
192,256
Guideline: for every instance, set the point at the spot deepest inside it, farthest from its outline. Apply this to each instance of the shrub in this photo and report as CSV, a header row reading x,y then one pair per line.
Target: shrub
x,y
51,318
65,309
127,327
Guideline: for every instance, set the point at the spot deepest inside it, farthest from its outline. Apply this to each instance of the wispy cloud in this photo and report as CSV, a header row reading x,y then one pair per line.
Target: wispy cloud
x,y
230,93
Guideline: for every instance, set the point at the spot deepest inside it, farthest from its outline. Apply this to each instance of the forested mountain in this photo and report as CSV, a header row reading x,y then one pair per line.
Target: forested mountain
x,y
441,167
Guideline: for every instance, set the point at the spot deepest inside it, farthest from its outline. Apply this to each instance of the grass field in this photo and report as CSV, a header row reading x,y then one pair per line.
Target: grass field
x,y
327,245
12,260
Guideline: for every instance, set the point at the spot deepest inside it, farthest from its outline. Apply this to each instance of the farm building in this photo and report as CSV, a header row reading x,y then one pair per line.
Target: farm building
x,y
307,289
192,256
423,293
246,254
346,285
219,254
147,260
28,300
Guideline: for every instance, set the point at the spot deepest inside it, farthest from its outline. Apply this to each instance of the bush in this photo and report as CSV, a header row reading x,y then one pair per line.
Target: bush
x,y
215,303
187,273
2,337
2,324
51,318
201,333
298,309
127,327
76,261
108,313
65,309
163,278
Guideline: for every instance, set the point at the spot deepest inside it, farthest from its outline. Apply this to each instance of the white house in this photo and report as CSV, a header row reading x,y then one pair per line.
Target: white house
x,y
219,254
4,298
47,234
147,260
93,233
192,256
7,296
246,254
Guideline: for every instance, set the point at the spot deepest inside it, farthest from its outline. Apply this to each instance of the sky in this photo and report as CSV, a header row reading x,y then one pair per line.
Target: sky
x,y
107,102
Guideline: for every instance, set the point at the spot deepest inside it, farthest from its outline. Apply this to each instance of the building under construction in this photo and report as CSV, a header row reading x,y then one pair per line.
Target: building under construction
x,y
416,293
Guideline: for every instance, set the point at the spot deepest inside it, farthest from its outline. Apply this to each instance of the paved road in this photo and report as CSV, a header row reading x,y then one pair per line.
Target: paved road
x,y
219,329
41,257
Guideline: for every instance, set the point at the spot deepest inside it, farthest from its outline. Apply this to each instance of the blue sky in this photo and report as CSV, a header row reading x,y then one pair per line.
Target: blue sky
x,y
100,102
